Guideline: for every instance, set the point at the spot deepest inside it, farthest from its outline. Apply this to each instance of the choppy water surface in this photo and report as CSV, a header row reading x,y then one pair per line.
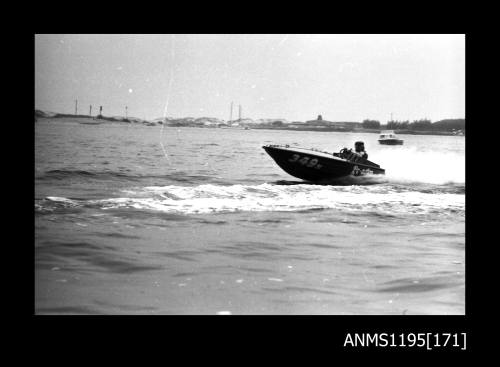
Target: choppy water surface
x,y
218,227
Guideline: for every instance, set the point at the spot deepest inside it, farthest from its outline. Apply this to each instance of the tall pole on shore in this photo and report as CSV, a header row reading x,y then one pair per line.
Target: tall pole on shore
x,y
239,113
231,113
76,106
391,117
90,110
126,112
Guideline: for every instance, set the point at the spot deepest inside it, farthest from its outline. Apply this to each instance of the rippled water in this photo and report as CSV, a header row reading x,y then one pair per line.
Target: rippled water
x,y
217,227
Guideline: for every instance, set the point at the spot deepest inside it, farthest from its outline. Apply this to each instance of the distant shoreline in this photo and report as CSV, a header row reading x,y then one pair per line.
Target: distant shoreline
x,y
94,120
359,130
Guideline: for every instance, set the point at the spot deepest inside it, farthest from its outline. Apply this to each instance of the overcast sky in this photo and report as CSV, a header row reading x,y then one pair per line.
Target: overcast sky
x,y
296,77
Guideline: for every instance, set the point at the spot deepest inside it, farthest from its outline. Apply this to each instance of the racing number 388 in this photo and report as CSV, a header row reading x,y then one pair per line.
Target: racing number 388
x,y
305,161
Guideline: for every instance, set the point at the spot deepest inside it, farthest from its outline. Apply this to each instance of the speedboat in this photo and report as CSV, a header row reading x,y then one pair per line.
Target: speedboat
x,y
389,138
315,165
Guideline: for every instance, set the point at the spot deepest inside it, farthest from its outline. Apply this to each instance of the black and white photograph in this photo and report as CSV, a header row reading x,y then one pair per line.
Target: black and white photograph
x,y
249,174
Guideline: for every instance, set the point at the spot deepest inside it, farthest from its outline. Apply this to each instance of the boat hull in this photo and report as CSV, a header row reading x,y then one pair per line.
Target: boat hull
x,y
391,141
317,166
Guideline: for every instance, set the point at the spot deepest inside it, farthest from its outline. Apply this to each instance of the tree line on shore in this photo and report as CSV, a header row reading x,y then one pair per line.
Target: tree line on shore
x,y
417,125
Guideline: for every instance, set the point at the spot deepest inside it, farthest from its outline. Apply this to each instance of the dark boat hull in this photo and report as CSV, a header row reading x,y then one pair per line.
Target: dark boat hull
x,y
391,141
311,165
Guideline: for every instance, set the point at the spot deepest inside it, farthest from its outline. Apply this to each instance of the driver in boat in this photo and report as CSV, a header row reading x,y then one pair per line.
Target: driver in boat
x,y
359,152
359,148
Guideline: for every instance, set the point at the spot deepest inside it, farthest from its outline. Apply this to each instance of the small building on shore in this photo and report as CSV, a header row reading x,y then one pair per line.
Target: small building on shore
x,y
319,122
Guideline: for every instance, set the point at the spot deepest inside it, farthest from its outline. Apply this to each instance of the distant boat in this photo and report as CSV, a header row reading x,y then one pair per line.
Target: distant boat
x,y
388,137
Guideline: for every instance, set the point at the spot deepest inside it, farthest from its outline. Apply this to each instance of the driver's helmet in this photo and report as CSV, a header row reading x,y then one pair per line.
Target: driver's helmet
x,y
359,146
